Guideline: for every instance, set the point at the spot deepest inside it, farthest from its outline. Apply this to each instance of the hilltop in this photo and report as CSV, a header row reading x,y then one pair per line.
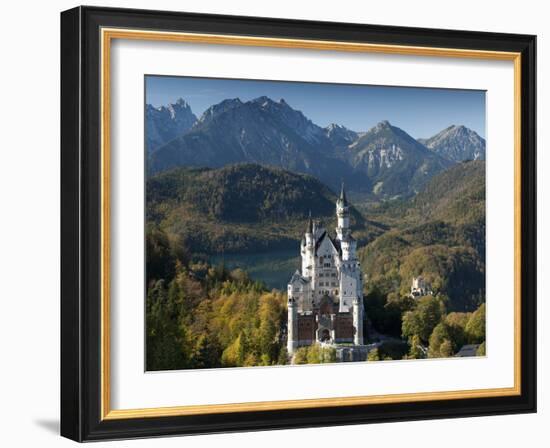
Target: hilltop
x,y
244,208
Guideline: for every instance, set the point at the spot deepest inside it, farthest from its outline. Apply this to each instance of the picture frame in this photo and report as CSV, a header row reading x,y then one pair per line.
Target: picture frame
x,y
86,37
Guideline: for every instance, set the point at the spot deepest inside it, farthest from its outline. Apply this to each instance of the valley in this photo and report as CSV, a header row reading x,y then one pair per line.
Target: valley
x,y
228,200
271,268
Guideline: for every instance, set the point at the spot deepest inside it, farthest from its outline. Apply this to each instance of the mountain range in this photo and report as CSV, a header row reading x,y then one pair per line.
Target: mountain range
x,y
384,162
165,123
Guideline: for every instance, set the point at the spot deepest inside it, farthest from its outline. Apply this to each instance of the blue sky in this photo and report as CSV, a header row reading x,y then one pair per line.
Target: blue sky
x,y
421,112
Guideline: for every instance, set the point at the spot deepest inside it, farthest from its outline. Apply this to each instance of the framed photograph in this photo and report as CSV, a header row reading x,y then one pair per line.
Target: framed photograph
x,y
276,224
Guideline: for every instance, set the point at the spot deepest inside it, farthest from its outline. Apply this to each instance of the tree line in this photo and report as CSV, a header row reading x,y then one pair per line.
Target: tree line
x,y
425,324
203,316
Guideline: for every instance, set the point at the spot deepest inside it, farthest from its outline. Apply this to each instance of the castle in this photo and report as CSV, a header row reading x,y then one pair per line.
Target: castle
x,y
420,287
325,299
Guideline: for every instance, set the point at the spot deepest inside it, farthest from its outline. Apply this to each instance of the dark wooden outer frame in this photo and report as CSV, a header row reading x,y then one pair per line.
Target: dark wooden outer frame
x,y
81,224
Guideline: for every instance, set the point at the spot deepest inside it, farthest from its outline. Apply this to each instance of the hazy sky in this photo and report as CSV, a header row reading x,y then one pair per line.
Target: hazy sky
x,y
421,112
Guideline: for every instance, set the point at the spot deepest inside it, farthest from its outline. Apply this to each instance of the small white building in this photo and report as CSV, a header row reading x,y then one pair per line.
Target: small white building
x,y
420,287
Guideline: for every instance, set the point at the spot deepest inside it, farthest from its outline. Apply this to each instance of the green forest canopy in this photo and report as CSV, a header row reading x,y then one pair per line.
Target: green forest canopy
x,y
204,316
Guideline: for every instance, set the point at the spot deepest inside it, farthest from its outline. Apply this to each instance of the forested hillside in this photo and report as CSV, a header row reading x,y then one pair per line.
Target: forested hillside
x,y
243,208
439,234
201,314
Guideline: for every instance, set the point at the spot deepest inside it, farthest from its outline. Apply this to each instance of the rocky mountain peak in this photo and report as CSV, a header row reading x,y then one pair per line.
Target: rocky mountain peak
x,y
340,135
385,160
384,124
217,109
457,143
167,122
182,103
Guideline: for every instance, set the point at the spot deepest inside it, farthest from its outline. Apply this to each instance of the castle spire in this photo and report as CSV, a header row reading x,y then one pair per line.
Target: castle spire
x,y
310,224
342,215
343,195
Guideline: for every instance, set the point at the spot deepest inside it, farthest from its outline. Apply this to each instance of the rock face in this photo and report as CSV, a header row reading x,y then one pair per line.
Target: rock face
x,y
384,161
457,143
340,136
165,123
394,161
259,131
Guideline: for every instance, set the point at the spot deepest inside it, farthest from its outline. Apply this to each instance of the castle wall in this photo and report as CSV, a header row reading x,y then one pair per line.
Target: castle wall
x,y
325,280
343,330
340,325
348,289
306,329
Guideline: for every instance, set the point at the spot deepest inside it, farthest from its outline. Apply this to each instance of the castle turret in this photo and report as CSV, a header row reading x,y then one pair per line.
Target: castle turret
x,y
349,249
292,326
308,250
309,232
358,320
342,215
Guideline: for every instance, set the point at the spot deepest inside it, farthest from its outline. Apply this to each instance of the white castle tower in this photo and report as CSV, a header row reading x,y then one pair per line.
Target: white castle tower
x,y
342,215
325,298
292,325
351,284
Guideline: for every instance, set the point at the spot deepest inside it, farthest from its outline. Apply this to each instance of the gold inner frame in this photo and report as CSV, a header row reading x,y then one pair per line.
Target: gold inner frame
x,y
107,35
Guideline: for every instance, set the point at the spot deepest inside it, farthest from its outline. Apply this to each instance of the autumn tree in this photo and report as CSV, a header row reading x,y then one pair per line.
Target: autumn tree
x,y
481,349
417,350
423,318
373,355
440,344
475,328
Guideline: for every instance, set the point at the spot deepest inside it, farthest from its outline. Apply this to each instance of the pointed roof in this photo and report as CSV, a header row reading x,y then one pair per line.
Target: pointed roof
x,y
310,224
343,195
335,243
297,277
